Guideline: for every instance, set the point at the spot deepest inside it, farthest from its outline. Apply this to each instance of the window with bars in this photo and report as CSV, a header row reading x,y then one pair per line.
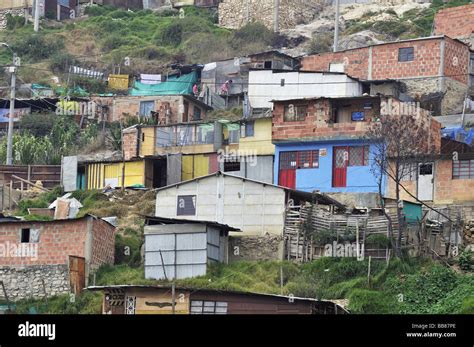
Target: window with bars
x,y
463,169
208,307
295,113
358,156
299,160
406,54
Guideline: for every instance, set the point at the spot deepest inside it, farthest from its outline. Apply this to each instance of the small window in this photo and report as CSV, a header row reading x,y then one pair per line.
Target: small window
x,y
463,169
186,205
196,113
25,235
295,113
146,107
234,136
406,54
299,160
143,137
358,156
268,64
231,165
426,169
208,307
249,129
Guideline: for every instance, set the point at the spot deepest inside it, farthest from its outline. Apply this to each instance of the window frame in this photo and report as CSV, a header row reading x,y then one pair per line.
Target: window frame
x,y
405,53
365,155
298,117
183,213
211,309
460,175
247,127
312,154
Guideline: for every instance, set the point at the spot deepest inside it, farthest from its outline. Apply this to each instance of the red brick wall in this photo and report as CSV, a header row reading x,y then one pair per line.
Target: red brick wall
x,y
317,124
426,62
456,60
58,240
455,21
103,243
385,62
356,61
130,143
448,190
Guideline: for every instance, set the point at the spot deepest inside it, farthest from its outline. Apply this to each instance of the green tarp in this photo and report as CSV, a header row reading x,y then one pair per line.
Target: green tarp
x,y
173,86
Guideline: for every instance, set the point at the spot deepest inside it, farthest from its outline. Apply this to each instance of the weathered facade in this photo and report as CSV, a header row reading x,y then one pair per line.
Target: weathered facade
x,y
165,109
430,67
177,249
62,253
320,144
134,299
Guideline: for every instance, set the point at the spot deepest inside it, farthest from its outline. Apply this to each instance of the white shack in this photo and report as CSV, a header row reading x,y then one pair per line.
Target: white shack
x,y
268,85
178,248
256,208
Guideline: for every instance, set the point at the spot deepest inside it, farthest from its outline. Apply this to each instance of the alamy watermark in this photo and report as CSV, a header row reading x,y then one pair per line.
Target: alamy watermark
x,y
241,156
344,250
19,250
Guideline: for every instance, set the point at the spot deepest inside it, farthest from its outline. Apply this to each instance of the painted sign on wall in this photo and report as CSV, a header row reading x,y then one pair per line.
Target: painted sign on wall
x,y
19,112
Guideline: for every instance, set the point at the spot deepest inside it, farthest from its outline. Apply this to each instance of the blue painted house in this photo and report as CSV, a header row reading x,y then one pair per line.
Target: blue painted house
x,y
320,145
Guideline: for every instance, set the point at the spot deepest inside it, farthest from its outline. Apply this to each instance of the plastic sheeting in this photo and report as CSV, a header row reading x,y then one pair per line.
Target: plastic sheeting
x,y
181,85
459,134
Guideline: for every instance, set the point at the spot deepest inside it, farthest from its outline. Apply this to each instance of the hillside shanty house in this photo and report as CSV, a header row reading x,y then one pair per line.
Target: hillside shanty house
x,y
256,208
178,248
142,299
46,258
320,143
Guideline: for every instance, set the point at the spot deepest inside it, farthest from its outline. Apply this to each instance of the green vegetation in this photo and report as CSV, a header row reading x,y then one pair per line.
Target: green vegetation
x,y
413,23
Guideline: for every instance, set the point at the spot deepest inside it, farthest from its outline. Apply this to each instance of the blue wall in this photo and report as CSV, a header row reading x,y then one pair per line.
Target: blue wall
x,y
360,179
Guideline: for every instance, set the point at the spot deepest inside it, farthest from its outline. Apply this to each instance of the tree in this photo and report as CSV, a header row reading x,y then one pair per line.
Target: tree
x,y
401,142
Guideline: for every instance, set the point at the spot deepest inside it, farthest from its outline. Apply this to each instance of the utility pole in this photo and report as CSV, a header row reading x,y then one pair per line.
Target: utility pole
x,y
336,27
276,16
36,22
12,113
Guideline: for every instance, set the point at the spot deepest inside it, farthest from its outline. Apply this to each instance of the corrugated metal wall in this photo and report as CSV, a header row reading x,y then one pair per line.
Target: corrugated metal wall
x,y
101,174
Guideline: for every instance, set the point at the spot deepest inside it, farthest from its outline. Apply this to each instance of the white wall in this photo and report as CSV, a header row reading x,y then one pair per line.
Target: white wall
x,y
254,208
264,86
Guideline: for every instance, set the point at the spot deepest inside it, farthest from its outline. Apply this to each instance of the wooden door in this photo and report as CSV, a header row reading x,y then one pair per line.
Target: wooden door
x,y
77,274
339,166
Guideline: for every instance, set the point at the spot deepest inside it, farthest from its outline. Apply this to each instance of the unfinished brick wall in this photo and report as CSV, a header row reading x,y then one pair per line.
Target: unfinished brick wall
x,y
57,241
385,64
456,60
103,243
356,62
130,143
455,22
317,123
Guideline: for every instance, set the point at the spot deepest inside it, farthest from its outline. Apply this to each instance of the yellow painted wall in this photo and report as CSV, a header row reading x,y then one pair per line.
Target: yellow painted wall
x,y
261,142
147,141
193,166
153,302
98,172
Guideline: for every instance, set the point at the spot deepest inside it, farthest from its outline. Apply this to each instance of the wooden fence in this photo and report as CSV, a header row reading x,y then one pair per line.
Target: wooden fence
x,y
49,175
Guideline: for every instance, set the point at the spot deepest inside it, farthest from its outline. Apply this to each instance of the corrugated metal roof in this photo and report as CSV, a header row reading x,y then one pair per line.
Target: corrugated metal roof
x,y
164,220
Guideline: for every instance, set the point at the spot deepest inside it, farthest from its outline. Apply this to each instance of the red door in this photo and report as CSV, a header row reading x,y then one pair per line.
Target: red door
x,y
287,178
287,170
339,166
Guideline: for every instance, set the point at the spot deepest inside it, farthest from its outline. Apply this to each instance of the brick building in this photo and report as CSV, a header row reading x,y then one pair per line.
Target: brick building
x,y
320,144
166,109
456,22
434,70
452,177
62,253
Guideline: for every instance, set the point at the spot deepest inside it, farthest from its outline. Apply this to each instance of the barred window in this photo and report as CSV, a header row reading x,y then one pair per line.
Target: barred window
x,y
463,169
358,156
295,113
299,160
208,307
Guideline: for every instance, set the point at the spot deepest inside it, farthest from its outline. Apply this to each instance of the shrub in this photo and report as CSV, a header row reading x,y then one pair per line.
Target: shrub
x,y
60,62
320,44
37,124
370,302
127,250
14,22
466,262
170,35
252,32
38,46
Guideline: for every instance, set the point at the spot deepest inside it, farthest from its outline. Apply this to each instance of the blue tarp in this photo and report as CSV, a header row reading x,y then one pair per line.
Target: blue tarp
x,y
459,134
173,86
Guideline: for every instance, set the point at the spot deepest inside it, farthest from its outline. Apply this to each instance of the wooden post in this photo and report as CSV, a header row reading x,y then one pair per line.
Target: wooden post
x,y
10,192
357,240
21,189
173,297
368,271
